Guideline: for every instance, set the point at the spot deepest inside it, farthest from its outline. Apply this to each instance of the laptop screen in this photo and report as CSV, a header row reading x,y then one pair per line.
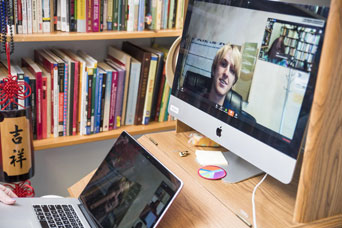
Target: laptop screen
x,y
130,188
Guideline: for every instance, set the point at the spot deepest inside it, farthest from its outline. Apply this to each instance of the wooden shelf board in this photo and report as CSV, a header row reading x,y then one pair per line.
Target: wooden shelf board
x,y
70,36
78,139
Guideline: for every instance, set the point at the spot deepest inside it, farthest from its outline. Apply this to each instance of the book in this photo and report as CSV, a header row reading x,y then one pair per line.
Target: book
x,y
69,82
164,100
160,95
51,65
18,16
72,16
32,83
24,15
141,15
46,17
172,14
74,97
81,15
80,91
37,73
157,81
132,97
60,85
103,97
149,90
144,57
107,99
96,15
21,78
124,60
120,92
92,73
179,14
29,16
39,16
89,16
46,106
110,14
98,100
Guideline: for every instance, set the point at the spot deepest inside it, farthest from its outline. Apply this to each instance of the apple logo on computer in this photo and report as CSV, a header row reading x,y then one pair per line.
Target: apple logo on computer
x,y
219,131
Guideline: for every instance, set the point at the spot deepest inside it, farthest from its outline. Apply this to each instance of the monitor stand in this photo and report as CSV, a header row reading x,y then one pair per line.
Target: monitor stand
x,y
238,169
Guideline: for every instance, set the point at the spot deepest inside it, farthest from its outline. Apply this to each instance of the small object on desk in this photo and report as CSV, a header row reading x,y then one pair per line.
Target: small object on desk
x,y
212,172
197,139
183,153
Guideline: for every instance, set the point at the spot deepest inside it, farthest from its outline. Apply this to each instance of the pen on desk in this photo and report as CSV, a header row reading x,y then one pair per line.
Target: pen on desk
x,y
154,142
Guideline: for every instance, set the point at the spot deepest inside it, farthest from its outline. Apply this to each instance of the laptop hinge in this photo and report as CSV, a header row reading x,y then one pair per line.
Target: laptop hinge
x,y
89,219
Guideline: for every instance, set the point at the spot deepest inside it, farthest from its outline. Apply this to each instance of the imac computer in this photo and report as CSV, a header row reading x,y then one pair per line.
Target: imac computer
x,y
245,78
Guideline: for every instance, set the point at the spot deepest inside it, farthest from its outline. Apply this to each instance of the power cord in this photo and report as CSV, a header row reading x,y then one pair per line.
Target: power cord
x,y
253,202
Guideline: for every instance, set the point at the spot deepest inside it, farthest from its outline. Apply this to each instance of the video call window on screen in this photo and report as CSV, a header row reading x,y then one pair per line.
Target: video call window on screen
x,y
275,52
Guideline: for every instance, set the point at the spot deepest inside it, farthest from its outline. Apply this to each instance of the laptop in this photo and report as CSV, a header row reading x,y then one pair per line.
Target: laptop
x,y
130,189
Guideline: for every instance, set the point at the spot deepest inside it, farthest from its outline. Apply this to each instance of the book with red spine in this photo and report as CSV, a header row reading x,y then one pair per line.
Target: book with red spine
x,y
96,15
44,106
60,85
37,73
115,77
89,16
120,91
75,90
49,64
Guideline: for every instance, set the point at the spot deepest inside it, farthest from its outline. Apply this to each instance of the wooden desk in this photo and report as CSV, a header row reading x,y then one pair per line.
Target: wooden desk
x,y
204,203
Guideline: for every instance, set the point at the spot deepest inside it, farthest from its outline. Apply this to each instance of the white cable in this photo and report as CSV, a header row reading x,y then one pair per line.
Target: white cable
x,y
253,203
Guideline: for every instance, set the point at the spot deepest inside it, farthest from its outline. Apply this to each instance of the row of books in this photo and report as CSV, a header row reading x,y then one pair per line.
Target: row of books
x,y
39,16
73,93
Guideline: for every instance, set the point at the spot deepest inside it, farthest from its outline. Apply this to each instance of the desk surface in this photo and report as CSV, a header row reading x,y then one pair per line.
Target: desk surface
x,y
205,203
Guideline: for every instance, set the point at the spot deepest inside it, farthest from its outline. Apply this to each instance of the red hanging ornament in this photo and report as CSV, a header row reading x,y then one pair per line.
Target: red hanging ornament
x,y
11,89
22,189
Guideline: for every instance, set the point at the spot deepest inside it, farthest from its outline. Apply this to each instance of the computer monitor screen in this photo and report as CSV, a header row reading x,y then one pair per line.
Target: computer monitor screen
x,y
246,74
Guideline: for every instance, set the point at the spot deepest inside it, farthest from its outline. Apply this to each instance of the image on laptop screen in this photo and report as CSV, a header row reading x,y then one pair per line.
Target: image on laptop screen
x,y
130,188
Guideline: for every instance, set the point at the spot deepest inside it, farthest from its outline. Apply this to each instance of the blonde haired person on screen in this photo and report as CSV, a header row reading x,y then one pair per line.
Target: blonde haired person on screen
x,y
6,195
225,71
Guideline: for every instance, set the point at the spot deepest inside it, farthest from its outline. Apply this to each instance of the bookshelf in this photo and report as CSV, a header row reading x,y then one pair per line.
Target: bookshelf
x,y
301,44
106,35
45,38
79,139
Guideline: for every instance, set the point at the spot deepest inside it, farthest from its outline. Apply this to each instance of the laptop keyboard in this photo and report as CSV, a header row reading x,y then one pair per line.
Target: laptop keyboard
x,y
57,216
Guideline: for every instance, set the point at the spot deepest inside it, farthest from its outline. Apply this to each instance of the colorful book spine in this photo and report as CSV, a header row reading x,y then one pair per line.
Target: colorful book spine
x,y
46,16
90,90
93,100
96,15
44,108
113,98
81,15
141,15
107,101
29,16
89,16
110,15
97,107
149,90
119,98
103,96
163,105
133,92
36,71
83,99
75,99
65,99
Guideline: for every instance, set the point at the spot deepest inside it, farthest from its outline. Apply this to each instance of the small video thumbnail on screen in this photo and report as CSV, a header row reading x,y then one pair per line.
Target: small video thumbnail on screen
x,y
290,44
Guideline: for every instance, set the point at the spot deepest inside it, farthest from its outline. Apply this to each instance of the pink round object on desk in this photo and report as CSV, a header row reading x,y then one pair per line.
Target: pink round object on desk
x,y
212,172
